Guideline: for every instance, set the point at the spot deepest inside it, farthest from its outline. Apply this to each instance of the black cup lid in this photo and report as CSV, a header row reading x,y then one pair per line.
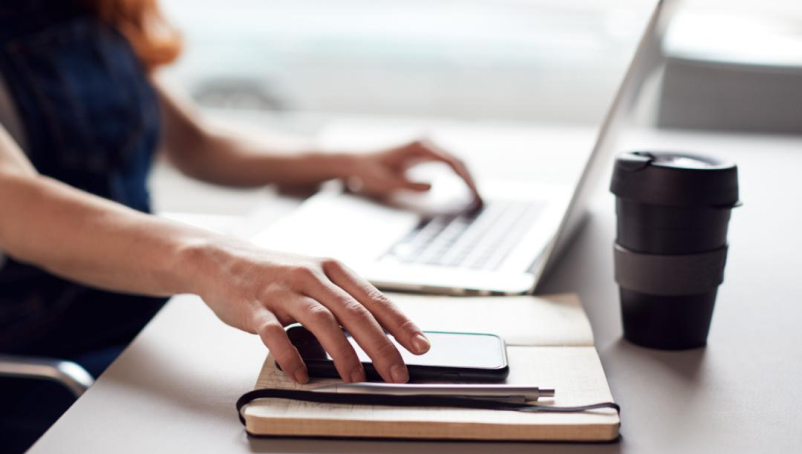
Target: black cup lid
x,y
680,179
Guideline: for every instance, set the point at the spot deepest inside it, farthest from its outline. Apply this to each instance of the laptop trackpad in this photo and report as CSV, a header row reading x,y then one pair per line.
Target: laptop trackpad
x,y
346,227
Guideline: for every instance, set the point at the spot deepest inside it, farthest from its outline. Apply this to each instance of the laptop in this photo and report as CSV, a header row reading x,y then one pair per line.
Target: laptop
x,y
504,248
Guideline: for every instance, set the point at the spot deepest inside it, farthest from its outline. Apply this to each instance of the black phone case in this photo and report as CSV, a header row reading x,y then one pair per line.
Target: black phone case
x,y
305,342
325,369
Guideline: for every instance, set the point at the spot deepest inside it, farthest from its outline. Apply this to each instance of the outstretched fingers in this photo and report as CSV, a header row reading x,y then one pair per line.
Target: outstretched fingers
x,y
363,326
380,307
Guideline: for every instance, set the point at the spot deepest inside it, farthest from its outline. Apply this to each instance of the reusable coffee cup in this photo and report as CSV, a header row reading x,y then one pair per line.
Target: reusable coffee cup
x,y
673,212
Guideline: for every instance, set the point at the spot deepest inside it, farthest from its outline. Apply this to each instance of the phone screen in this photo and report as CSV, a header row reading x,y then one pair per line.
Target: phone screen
x,y
475,351
449,350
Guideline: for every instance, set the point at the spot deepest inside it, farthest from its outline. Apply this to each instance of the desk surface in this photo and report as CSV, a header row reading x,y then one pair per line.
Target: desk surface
x,y
174,389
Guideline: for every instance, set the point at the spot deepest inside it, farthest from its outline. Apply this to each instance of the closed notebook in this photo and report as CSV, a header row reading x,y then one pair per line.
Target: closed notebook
x,y
550,344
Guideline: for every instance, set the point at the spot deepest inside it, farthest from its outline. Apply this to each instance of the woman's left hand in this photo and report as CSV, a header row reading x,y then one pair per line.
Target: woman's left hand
x,y
381,173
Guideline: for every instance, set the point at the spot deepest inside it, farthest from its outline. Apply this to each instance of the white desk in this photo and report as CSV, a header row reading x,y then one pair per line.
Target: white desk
x,y
174,389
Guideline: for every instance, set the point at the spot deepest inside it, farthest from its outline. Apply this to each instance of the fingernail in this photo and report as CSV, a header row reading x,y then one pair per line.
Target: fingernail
x,y
399,373
357,375
420,343
301,376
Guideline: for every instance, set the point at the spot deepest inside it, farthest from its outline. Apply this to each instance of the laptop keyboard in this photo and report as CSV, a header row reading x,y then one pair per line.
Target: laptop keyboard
x,y
481,239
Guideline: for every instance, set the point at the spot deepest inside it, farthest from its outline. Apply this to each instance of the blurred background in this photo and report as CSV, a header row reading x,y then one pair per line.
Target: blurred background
x,y
467,59
292,66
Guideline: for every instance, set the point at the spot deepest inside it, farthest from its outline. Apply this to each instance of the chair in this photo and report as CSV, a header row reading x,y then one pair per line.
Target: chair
x,y
35,392
66,373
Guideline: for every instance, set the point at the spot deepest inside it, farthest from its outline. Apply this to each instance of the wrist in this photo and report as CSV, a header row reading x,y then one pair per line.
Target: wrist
x,y
203,263
338,165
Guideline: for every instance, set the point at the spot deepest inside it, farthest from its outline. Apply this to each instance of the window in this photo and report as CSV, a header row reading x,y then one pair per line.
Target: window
x,y
518,60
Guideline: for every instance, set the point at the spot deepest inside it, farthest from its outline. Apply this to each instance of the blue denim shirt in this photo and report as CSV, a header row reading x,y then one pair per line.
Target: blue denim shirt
x,y
91,120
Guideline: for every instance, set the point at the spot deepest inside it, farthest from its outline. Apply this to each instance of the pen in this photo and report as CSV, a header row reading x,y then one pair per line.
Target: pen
x,y
524,392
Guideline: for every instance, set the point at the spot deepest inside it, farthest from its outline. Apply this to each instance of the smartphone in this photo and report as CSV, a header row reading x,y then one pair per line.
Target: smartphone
x,y
454,357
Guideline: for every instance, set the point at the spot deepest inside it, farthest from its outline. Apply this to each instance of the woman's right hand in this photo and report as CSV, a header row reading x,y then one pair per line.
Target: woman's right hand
x,y
260,292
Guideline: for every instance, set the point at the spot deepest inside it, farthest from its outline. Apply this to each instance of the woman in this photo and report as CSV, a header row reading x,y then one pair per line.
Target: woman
x,y
81,116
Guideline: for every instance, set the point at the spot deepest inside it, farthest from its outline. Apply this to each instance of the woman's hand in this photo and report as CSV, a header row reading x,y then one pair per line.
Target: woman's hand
x,y
260,292
382,173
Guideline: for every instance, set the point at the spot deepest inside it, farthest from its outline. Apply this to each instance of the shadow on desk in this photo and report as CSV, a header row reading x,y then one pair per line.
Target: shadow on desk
x,y
684,364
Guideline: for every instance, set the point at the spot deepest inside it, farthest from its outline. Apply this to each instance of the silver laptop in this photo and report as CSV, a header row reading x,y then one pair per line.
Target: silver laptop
x,y
503,248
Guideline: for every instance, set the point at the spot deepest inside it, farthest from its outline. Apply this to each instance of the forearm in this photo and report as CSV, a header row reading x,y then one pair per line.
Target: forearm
x,y
224,158
231,158
90,240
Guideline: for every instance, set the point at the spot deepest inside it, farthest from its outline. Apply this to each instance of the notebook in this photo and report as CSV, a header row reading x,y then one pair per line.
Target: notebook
x,y
549,343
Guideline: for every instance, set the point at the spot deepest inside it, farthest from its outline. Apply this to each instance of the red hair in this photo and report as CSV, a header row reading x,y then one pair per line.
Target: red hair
x,y
151,36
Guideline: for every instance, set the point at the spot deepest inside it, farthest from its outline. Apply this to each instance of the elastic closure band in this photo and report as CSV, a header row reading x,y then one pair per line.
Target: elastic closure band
x,y
410,401
670,275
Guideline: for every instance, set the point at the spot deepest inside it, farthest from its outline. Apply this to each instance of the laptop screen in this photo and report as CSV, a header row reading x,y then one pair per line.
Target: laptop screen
x,y
643,59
